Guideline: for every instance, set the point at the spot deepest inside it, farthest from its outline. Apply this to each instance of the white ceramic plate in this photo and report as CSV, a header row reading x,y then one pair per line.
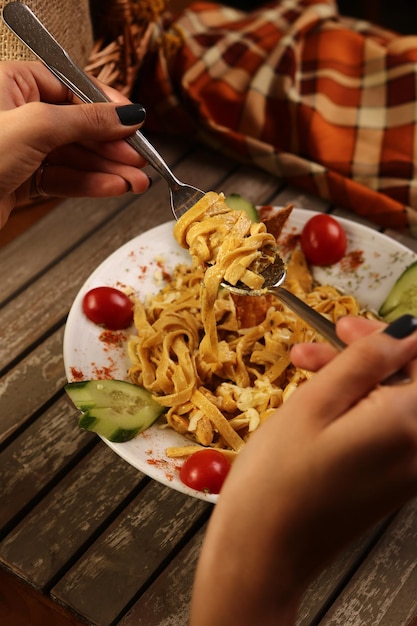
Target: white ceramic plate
x,y
372,264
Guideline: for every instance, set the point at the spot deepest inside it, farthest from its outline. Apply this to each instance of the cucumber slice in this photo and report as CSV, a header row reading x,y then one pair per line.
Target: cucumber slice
x,y
113,425
114,409
403,296
235,201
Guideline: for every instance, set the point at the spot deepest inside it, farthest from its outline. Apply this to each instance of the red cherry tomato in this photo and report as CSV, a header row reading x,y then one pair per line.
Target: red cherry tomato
x,y
108,307
205,470
323,240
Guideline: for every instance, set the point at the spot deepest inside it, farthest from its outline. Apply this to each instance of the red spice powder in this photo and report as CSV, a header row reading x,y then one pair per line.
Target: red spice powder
x,y
76,374
352,260
101,372
163,465
165,274
113,338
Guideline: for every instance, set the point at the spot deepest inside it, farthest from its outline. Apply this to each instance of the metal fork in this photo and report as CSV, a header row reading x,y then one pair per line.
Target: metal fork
x,y
30,30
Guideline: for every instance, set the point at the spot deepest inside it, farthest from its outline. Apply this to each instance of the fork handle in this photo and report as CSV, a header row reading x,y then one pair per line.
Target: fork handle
x,y
400,328
312,317
30,30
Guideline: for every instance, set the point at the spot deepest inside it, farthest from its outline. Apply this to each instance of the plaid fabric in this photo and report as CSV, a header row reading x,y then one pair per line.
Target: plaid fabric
x,y
325,102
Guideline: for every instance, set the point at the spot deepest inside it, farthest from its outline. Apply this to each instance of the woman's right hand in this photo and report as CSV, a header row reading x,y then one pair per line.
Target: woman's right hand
x,y
340,454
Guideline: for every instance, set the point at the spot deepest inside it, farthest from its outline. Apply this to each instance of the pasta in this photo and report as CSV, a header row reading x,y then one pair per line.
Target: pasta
x,y
232,247
220,363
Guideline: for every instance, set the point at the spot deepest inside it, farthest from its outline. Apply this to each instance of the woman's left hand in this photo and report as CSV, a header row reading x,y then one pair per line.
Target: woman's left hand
x,y
80,147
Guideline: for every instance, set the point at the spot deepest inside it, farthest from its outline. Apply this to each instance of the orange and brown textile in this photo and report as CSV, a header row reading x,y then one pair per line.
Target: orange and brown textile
x,y
326,102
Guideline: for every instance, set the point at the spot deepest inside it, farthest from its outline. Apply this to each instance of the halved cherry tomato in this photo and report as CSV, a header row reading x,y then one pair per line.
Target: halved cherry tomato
x,y
108,307
323,240
205,470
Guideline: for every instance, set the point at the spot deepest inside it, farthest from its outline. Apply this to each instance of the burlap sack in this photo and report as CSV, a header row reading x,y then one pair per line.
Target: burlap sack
x,y
68,21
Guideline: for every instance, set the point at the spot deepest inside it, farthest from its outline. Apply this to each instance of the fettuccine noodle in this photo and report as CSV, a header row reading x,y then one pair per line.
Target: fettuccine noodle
x,y
220,363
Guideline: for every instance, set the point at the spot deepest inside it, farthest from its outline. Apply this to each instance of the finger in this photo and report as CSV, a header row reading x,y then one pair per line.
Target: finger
x,y
28,81
92,156
118,150
350,327
314,356
31,81
63,182
383,426
411,370
372,446
355,372
61,125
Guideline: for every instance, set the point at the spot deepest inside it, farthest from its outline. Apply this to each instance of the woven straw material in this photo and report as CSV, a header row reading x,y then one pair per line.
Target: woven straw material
x,y
68,21
124,30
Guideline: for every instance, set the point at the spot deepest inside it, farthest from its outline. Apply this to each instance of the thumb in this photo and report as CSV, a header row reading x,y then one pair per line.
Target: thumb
x,y
313,356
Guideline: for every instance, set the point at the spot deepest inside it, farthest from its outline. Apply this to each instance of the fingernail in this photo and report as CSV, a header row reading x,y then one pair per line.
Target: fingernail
x,y
402,327
131,114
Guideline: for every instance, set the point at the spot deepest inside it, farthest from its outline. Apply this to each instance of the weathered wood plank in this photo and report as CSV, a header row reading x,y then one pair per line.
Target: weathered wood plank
x,y
384,589
167,601
300,199
50,238
31,384
44,450
321,590
20,605
255,185
68,517
140,553
127,556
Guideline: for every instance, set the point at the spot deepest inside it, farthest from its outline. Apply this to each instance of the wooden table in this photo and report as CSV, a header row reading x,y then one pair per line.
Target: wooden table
x,y
86,538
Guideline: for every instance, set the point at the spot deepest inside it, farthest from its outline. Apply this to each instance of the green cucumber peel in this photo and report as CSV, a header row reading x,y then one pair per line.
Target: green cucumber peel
x,y
403,296
114,409
236,202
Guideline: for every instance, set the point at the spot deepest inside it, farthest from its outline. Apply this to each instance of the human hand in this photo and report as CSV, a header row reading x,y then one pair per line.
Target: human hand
x,y
340,454
313,356
83,143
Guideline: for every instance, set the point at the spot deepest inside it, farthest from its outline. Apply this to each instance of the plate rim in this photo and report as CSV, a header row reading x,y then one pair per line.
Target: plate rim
x,y
351,228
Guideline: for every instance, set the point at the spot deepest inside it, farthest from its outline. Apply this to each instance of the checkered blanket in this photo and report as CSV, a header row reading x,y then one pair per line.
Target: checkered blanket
x,y
326,102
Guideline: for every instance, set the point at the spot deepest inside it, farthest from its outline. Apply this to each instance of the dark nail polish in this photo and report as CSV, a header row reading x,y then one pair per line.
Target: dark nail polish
x,y
131,114
402,327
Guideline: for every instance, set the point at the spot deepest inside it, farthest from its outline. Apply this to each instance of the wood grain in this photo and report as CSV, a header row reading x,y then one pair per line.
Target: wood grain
x,y
383,590
86,530
130,553
69,516
30,384
20,605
